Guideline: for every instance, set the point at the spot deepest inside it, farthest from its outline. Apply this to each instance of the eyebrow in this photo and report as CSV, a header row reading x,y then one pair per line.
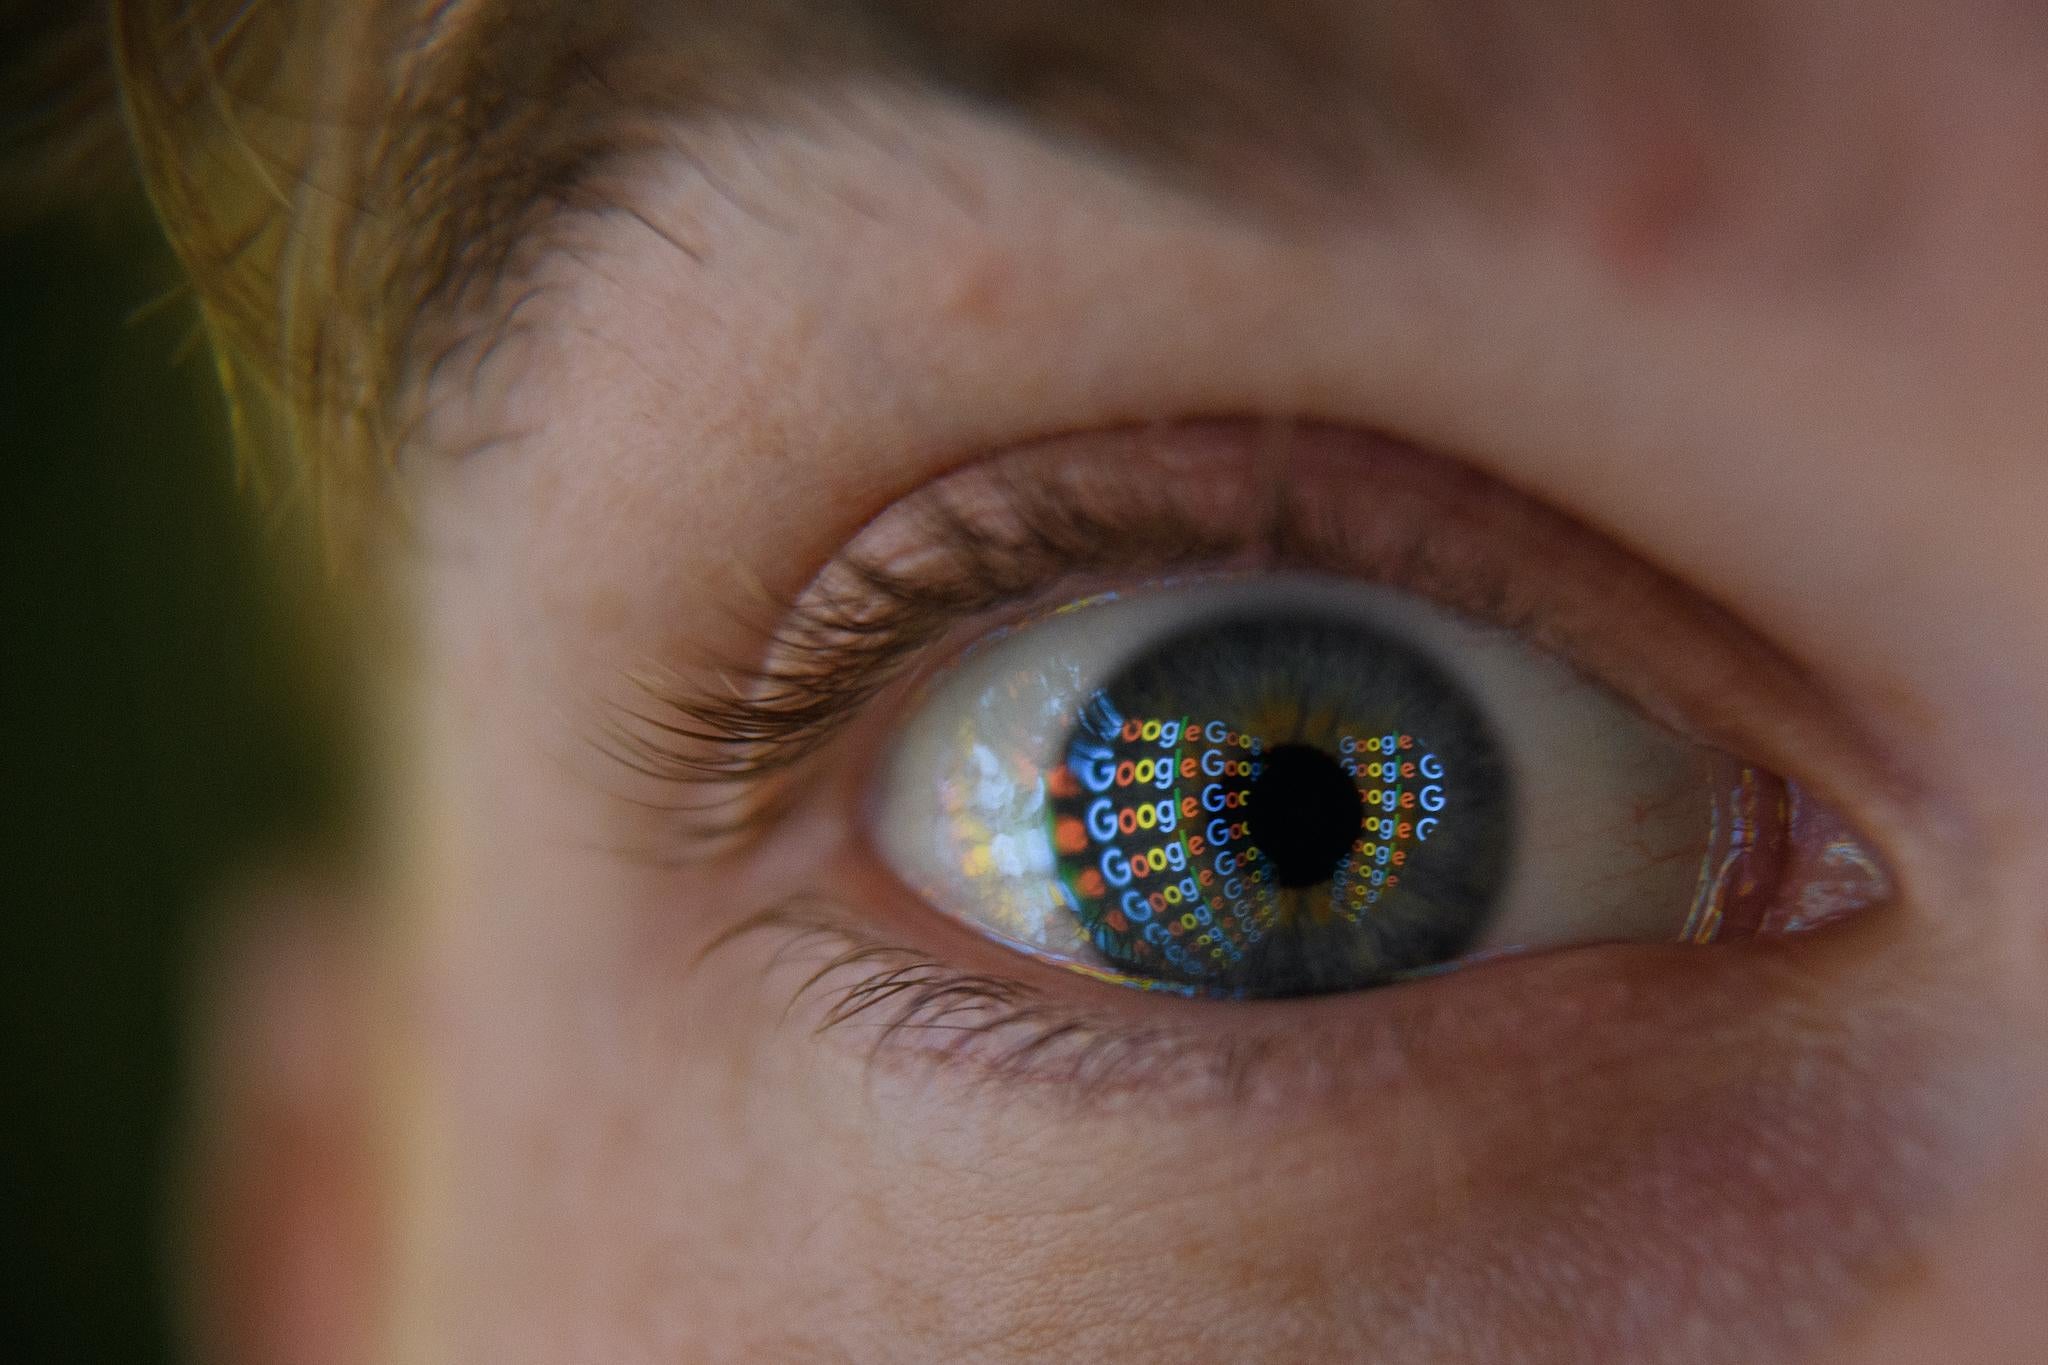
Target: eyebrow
x,y
1188,88
447,137
1259,102
1335,92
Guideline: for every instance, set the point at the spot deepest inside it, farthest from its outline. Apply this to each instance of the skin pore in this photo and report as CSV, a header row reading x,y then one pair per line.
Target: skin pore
x,y
1790,359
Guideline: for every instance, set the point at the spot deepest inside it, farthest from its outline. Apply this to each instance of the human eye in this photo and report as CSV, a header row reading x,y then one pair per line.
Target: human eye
x,y
1268,784
1233,711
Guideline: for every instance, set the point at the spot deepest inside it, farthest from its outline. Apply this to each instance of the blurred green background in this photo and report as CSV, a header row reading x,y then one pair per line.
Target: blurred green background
x,y
153,746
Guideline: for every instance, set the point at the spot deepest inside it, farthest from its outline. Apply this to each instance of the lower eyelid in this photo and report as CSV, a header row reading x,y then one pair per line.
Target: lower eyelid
x,y
1711,1134
857,958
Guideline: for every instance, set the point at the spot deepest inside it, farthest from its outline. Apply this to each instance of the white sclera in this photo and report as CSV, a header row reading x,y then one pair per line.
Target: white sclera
x,y
1611,812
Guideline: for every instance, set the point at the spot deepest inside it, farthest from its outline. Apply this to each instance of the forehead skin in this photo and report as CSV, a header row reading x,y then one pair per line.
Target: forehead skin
x,y
1782,339
1674,126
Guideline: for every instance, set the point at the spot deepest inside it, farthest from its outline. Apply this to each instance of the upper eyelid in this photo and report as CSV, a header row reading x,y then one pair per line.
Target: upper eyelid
x,y
1006,532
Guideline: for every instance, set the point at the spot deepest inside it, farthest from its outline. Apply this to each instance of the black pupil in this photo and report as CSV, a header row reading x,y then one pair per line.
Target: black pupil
x,y
1304,813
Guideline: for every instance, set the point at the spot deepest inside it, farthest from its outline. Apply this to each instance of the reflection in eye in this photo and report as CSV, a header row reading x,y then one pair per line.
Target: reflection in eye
x,y
1289,785
1262,803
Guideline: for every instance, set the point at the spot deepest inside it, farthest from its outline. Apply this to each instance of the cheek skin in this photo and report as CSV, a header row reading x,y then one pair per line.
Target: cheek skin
x,y
1721,1198
1723,1160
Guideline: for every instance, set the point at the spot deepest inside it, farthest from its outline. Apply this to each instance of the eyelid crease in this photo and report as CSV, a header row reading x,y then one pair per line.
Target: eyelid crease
x,y
1038,526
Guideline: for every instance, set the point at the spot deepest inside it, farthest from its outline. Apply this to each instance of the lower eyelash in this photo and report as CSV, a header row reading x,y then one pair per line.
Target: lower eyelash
x,y
999,1029
1010,1039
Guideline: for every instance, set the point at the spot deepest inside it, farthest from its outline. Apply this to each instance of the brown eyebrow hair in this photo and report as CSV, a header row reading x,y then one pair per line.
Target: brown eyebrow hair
x,y
349,181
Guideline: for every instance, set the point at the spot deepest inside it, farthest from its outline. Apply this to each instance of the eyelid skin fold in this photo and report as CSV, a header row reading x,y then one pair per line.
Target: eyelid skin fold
x,y
727,749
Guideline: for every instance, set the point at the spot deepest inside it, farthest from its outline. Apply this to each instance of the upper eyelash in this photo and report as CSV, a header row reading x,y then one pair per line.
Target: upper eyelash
x,y
850,632
714,739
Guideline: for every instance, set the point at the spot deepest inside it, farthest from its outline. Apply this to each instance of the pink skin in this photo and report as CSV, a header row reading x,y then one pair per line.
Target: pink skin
x,y
584,1147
